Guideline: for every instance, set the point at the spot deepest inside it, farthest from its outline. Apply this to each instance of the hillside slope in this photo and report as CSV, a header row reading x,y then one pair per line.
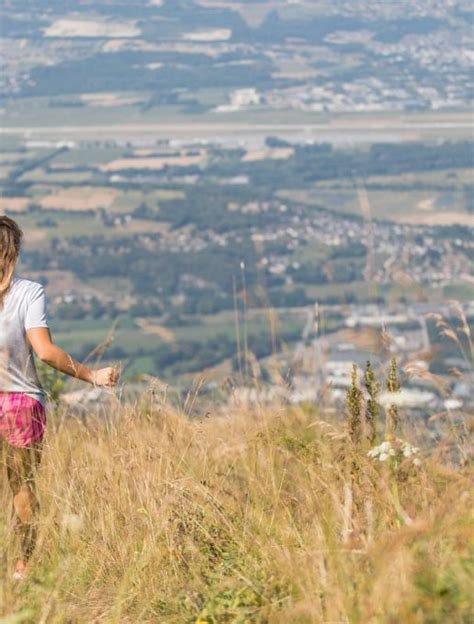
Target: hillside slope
x,y
264,516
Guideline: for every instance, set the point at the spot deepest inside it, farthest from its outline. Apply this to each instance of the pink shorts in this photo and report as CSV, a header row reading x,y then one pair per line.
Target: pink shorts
x,y
22,419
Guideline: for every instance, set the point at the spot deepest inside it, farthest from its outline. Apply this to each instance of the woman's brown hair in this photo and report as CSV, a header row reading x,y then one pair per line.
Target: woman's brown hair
x,y
10,243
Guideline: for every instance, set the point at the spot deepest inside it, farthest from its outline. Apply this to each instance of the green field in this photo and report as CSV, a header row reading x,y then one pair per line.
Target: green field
x,y
397,202
56,177
84,336
73,224
127,201
127,334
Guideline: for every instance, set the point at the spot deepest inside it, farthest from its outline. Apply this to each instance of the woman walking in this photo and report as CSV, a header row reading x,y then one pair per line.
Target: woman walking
x,y
24,330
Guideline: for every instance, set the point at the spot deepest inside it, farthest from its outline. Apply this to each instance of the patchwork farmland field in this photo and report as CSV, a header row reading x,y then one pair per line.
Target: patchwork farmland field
x,y
79,198
171,222
434,206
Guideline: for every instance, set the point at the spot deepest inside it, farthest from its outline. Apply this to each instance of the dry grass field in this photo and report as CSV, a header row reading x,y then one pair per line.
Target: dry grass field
x,y
79,198
282,153
157,163
269,515
220,34
109,99
13,204
75,27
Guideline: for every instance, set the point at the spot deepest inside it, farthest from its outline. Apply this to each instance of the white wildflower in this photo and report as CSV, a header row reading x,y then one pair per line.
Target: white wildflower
x,y
397,449
409,450
72,523
417,461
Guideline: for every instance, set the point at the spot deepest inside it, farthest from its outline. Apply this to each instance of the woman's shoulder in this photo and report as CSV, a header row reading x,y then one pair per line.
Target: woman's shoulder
x,y
27,288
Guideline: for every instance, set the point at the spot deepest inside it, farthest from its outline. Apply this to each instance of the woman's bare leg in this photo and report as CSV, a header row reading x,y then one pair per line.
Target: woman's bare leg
x,y
22,464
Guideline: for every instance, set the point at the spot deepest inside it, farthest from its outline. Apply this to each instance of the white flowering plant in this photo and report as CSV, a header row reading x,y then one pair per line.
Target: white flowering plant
x,y
396,449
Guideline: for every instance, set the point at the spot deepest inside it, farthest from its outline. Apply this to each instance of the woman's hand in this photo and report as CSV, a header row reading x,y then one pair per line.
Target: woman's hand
x,y
42,344
105,376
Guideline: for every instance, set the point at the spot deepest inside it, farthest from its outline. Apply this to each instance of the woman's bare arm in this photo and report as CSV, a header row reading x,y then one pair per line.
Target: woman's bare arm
x,y
48,352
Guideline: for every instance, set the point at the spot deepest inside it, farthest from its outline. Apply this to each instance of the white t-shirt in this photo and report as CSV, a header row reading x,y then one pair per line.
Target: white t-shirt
x,y
24,307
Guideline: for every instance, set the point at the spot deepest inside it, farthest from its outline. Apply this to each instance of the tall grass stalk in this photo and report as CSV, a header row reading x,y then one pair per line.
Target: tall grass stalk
x,y
372,408
245,320
237,328
393,386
